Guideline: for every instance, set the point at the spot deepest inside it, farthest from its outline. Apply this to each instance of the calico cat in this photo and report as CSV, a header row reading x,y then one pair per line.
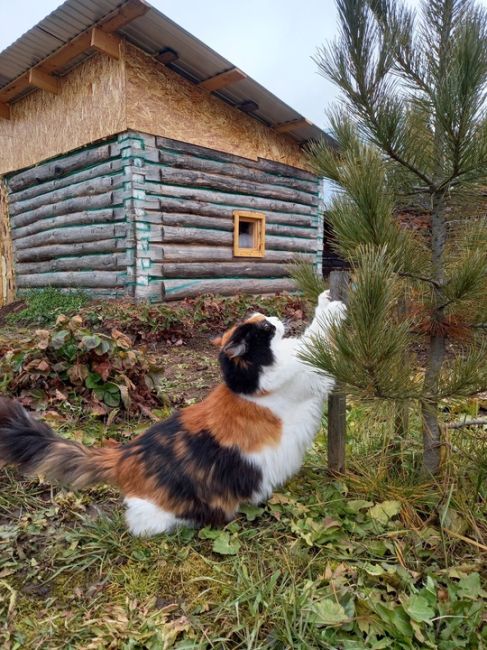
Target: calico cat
x,y
247,437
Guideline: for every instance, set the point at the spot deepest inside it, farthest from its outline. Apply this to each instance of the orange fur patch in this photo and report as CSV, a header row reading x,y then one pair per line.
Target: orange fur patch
x,y
234,421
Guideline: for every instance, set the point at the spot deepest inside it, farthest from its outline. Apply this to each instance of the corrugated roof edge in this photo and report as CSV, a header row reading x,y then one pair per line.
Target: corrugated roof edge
x,y
29,46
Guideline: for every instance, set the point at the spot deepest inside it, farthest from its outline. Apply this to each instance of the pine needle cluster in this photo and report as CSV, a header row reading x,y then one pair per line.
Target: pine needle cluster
x,y
411,130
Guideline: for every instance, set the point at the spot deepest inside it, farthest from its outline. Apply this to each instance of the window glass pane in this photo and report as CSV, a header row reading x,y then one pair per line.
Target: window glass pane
x,y
246,234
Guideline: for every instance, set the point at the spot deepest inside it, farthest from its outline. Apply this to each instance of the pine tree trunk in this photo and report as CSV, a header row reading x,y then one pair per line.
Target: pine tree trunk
x,y
436,352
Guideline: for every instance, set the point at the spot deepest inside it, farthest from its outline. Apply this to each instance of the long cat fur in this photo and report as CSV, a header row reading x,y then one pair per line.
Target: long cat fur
x,y
248,436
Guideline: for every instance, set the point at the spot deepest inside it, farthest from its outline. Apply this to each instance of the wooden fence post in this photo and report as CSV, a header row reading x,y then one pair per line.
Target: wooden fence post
x,y
337,401
7,273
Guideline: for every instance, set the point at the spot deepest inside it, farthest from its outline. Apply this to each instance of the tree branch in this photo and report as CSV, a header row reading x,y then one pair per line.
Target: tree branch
x,y
467,422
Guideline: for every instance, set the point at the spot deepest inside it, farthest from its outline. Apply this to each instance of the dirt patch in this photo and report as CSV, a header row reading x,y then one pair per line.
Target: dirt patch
x,y
191,369
11,308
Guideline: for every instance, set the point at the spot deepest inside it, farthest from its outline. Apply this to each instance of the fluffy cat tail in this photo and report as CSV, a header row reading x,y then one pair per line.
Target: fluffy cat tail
x,y
36,449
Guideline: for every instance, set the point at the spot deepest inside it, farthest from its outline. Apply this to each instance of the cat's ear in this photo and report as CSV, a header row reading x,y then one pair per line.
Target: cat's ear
x,y
233,350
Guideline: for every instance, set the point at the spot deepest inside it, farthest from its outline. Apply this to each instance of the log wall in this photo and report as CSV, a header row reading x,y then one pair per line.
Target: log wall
x,y
184,198
70,221
151,217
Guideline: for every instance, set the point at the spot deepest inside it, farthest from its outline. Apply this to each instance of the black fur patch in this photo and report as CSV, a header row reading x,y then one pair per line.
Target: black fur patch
x,y
23,440
205,472
241,374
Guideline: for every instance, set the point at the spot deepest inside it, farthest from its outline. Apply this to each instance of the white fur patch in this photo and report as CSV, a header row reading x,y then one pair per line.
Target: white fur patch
x,y
296,394
145,519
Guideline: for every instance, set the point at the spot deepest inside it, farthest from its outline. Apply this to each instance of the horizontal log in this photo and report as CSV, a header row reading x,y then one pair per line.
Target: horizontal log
x,y
248,269
236,171
86,188
63,208
168,204
75,234
81,279
194,179
212,154
218,223
73,219
110,168
109,262
59,167
173,234
177,289
241,201
188,253
54,251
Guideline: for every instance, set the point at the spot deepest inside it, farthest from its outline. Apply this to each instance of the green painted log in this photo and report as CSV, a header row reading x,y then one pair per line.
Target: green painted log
x,y
193,179
177,289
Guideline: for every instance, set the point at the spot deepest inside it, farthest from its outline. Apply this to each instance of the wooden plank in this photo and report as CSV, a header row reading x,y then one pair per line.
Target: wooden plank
x,y
16,86
44,81
53,251
177,289
223,79
249,269
74,280
67,52
125,14
190,253
5,111
106,43
287,127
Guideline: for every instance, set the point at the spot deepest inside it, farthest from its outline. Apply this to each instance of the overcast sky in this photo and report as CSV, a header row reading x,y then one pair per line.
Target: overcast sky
x,y
271,40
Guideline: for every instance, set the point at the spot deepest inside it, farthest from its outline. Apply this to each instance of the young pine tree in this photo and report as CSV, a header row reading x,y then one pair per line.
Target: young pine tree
x,y
412,135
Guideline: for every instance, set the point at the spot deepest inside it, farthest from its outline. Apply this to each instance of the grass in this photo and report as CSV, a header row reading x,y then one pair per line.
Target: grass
x,y
373,559
43,306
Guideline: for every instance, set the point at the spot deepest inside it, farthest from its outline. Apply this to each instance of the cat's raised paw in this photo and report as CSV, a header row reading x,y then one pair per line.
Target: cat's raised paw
x,y
324,298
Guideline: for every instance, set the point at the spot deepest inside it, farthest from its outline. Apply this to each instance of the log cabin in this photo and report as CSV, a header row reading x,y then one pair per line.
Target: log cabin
x,y
136,161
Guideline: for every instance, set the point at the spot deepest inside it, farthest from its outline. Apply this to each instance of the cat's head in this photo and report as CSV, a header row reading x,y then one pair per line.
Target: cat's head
x,y
246,349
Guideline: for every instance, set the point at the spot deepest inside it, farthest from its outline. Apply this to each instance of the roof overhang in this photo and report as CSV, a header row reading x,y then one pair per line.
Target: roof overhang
x,y
77,28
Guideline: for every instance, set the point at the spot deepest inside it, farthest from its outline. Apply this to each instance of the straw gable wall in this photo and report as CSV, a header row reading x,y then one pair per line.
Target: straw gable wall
x,y
103,96
90,106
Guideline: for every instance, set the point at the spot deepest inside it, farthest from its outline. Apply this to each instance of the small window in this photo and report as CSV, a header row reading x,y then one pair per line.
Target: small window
x,y
248,234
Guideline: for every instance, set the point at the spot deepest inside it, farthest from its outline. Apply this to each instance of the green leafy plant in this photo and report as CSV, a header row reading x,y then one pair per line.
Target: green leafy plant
x,y
71,361
43,306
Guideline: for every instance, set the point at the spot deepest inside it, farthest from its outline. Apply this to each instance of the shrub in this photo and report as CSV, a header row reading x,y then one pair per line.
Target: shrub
x,y
71,361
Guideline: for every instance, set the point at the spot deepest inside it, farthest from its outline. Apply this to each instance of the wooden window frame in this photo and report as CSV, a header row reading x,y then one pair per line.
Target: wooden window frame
x,y
257,218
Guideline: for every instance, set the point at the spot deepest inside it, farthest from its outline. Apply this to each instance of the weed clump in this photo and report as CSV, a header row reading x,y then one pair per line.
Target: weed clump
x,y
43,306
71,361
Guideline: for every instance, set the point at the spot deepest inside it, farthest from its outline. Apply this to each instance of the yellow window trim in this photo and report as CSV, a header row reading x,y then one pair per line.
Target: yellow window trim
x,y
258,247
